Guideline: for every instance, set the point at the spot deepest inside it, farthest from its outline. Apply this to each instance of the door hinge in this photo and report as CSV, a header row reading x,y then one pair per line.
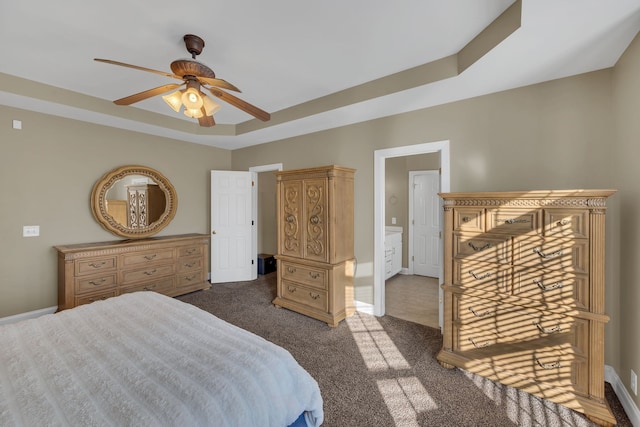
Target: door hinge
x,y
252,222
253,183
251,262
413,258
440,234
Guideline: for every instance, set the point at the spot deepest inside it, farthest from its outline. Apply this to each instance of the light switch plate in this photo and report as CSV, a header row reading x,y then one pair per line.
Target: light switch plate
x,y
30,231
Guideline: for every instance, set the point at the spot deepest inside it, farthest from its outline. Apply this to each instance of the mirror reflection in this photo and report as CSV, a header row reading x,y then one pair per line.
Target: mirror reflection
x,y
136,201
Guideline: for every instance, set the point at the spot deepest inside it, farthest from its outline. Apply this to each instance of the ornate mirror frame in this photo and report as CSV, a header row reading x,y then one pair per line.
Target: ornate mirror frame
x,y
99,202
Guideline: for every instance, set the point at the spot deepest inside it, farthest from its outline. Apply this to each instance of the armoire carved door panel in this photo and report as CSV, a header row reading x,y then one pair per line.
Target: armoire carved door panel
x,y
315,236
292,220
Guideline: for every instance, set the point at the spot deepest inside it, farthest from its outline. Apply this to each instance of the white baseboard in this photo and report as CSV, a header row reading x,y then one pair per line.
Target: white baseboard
x,y
630,407
27,315
364,307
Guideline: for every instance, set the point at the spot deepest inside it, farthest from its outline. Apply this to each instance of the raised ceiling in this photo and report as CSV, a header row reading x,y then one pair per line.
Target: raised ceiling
x,y
312,65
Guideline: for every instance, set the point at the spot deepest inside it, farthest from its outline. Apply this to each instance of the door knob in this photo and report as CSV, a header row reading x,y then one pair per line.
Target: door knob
x,y
213,232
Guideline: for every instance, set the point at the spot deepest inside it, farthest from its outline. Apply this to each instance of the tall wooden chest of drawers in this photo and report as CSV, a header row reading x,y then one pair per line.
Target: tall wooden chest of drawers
x,y
315,260
524,292
171,265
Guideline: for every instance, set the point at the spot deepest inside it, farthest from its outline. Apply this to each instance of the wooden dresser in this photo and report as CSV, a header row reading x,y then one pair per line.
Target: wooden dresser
x,y
315,260
524,292
171,265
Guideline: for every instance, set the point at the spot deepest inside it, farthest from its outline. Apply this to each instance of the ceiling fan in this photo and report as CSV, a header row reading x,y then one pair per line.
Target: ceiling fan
x,y
195,76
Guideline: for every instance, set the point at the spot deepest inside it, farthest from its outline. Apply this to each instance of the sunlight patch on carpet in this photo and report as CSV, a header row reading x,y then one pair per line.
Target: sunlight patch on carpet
x,y
406,398
376,347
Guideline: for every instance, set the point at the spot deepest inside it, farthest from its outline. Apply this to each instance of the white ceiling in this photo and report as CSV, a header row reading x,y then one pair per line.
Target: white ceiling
x,y
282,53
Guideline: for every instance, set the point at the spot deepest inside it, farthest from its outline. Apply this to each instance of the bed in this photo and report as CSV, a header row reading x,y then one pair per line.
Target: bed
x,y
145,359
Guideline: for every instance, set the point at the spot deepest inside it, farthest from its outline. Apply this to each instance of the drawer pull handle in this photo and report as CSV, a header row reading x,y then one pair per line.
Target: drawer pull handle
x,y
476,345
292,289
554,365
191,250
481,315
314,275
515,221
150,257
314,296
291,218
97,265
564,222
544,288
97,299
547,256
477,277
314,219
479,248
97,282
190,278
150,288
150,273
291,270
544,330
466,219
190,265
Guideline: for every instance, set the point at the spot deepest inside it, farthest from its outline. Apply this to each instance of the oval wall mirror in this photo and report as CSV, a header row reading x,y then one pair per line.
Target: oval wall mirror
x,y
133,201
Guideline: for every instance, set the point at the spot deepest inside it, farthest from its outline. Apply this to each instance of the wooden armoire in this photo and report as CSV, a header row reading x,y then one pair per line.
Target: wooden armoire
x,y
524,288
315,259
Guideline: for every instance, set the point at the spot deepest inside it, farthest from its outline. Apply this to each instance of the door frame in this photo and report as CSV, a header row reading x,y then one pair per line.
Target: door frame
x,y
410,236
254,205
379,157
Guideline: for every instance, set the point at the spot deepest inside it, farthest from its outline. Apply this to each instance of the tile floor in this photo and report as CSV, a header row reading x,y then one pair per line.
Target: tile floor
x,y
412,298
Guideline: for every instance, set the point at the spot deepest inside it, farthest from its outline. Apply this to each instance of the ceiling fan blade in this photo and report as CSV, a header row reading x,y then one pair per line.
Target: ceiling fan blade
x,y
218,83
243,105
146,94
135,67
206,121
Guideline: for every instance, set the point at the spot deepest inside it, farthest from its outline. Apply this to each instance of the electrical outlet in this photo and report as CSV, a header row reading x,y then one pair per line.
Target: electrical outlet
x,y
634,383
30,231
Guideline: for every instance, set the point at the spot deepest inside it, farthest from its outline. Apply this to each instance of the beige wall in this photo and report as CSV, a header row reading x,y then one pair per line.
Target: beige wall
x,y
47,171
267,226
625,143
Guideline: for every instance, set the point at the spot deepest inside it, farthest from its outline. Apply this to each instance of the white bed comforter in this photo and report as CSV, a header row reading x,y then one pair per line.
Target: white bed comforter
x,y
145,359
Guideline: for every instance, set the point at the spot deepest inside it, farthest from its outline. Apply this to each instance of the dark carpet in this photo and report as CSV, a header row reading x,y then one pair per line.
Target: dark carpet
x,y
382,371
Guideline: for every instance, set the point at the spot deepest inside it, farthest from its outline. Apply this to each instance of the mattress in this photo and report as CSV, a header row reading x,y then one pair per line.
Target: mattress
x,y
145,359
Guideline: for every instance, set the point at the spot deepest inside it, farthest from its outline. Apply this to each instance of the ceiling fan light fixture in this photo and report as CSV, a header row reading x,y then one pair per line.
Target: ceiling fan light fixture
x,y
174,100
193,113
192,98
210,107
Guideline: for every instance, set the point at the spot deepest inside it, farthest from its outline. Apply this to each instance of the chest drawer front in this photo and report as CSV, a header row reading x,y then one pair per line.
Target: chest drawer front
x,y
147,257
188,278
311,297
187,251
513,221
482,276
557,254
95,283
468,219
566,223
552,286
159,285
93,265
190,264
87,299
146,274
310,276
486,248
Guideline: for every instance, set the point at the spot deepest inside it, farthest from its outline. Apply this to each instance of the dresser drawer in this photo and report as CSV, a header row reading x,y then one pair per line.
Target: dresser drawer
x,y
482,276
468,219
87,299
566,223
96,283
310,276
190,264
552,286
186,251
513,221
146,274
93,265
311,297
188,278
147,257
159,285
557,254
488,248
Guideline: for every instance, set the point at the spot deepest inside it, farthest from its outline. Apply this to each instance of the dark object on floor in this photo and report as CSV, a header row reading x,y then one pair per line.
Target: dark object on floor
x,y
266,264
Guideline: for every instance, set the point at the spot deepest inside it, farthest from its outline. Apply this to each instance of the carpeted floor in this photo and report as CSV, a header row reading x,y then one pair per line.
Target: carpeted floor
x,y
382,371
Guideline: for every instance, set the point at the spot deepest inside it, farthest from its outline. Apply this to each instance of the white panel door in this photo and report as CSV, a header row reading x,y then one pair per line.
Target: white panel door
x,y
427,253
232,254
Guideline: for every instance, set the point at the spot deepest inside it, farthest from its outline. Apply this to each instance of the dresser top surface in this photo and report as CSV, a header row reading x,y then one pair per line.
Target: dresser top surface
x,y
531,194
128,242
